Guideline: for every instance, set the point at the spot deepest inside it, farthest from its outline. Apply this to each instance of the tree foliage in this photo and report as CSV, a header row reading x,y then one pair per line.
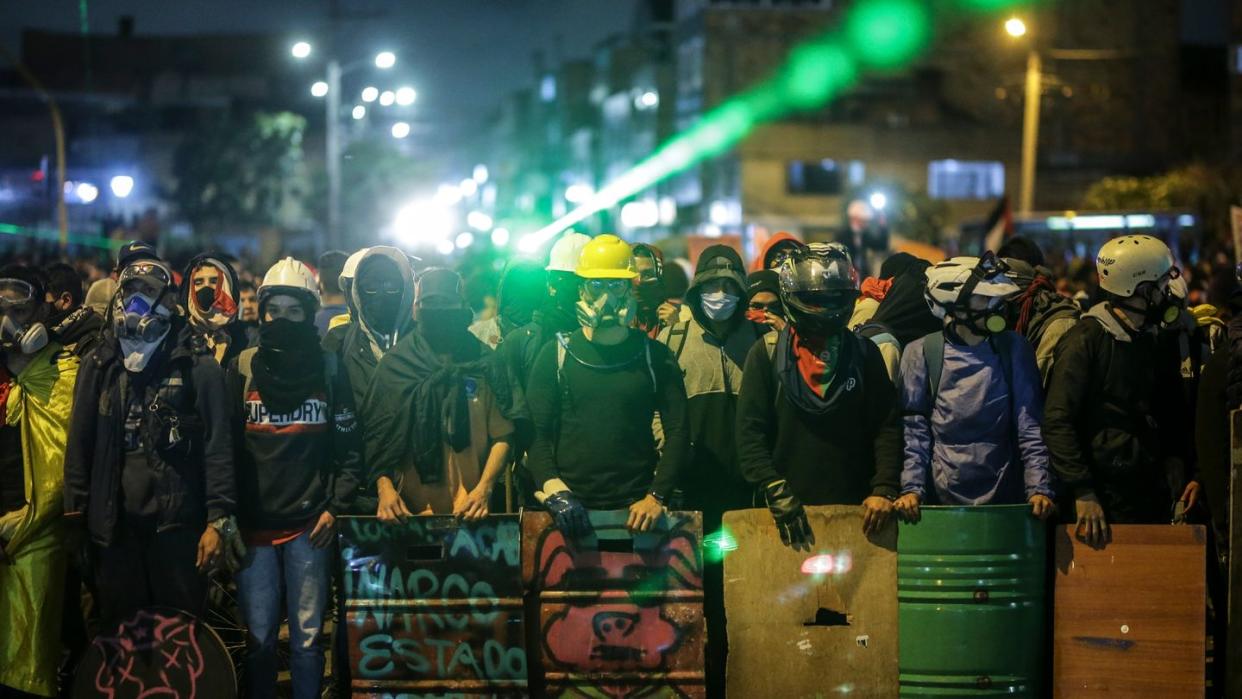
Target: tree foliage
x,y
1207,190
243,171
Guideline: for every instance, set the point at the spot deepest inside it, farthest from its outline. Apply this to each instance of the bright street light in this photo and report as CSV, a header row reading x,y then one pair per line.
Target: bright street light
x,y
406,96
121,186
479,220
86,191
319,89
370,94
578,193
301,50
400,129
445,247
358,112
447,195
878,200
468,187
480,173
500,237
385,60
464,240
423,222
647,100
1015,27
386,98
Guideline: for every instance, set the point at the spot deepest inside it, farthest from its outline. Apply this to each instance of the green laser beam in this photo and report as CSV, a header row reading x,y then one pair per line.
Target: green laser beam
x,y
877,34
49,234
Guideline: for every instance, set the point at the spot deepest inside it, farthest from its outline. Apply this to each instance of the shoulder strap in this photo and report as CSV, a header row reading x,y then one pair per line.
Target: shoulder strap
x,y
769,346
933,360
655,384
681,331
562,348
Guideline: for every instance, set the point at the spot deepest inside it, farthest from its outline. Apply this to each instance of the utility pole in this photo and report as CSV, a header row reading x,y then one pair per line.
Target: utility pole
x,y
1030,132
333,153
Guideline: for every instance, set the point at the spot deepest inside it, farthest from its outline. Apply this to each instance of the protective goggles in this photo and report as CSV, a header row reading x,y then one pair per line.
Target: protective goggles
x,y
150,272
615,287
16,293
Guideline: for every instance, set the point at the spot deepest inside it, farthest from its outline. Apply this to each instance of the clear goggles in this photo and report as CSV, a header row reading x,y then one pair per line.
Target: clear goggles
x,y
15,294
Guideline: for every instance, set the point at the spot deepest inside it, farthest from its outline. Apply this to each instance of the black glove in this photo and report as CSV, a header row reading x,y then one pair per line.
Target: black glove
x,y
569,514
789,515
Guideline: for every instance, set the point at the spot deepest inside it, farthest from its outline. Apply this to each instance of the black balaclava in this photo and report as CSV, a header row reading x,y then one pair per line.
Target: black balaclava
x,y
522,289
288,368
443,314
380,287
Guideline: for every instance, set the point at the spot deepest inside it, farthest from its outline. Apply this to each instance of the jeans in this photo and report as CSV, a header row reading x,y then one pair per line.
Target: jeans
x,y
301,571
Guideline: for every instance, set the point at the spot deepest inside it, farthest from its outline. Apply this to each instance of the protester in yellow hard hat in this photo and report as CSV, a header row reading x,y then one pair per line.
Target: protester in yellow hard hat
x,y
593,395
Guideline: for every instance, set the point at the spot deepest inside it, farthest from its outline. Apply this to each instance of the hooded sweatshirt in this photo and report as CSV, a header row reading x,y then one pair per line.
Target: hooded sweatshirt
x,y
1114,420
521,291
215,330
358,344
763,260
711,355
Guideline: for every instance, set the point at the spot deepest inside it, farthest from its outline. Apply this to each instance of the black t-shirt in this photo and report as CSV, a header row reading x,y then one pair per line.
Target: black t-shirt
x,y
12,474
593,422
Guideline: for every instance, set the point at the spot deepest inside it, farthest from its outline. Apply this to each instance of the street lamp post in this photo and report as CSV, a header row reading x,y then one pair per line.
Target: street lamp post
x,y
332,152
1030,131
332,129
1016,28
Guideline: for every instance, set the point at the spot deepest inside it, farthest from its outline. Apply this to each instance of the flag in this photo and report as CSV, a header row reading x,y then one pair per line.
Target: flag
x,y
998,227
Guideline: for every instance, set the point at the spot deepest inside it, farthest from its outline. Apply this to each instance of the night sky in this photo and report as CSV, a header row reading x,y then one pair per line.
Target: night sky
x,y
461,55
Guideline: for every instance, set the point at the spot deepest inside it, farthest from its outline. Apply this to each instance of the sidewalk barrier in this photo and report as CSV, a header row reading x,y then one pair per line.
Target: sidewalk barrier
x,y
811,623
434,606
618,617
971,602
1129,617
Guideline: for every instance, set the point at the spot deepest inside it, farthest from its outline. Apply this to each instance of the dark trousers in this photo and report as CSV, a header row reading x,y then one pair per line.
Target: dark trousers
x,y
144,568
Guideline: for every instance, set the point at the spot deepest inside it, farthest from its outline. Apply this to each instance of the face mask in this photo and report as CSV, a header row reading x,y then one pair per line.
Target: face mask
x,y
651,295
205,297
380,310
989,321
284,335
607,310
443,322
24,339
1157,308
718,305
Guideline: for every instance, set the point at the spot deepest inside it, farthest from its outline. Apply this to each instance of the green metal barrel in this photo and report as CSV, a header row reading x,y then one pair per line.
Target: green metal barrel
x,y
971,603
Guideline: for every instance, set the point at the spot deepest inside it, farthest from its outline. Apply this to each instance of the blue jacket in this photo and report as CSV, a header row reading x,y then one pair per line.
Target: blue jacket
x,y
965,440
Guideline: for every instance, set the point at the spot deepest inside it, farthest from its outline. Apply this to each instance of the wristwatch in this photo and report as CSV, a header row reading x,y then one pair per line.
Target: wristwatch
x,y
658,498
225,526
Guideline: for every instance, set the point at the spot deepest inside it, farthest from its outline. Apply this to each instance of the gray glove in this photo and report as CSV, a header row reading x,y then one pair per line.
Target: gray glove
x,y
233,549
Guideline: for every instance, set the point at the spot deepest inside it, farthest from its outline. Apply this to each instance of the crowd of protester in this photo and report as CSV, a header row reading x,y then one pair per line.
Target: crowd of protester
x,y
157,424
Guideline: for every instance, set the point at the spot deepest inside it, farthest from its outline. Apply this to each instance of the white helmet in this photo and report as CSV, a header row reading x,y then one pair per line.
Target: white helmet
x,y
349,270
1124,263
566,252
952,283
289,276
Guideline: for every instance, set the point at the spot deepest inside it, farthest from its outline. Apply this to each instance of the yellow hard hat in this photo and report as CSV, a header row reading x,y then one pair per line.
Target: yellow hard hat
x,y
606,257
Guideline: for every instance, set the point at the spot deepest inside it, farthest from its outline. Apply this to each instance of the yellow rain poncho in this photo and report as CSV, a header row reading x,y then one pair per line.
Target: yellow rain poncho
x,y
32,581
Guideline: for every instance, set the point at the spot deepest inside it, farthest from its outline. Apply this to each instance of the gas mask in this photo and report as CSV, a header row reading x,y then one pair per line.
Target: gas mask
x,y
138,314
19,332
606,303
992,319
1159,306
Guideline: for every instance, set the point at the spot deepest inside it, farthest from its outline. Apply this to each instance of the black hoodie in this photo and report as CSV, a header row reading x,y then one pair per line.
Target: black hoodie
x,y
711,355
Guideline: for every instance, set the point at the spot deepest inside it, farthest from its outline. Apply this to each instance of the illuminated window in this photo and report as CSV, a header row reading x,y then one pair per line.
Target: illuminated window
x,y
823,177
965,179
